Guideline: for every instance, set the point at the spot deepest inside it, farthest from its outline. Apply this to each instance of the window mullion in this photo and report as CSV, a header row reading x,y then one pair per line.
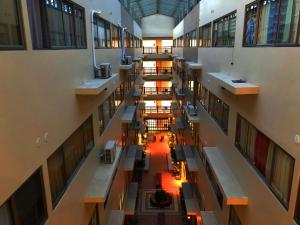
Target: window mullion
x,y
75,28
63,22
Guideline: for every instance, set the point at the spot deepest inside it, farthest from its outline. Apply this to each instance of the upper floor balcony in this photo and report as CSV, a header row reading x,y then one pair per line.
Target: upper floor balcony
x,y
158,73
158,53
157,93
158,50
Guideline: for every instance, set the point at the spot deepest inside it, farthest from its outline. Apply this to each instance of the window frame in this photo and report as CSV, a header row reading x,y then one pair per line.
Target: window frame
x,y
21,30
213,100
106,24
67,179
265,179
200,37
11,201
276,44
297,207
47,45
215,22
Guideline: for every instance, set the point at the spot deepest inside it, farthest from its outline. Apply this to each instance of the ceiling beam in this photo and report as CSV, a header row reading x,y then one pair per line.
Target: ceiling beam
x,y
138,2
175,9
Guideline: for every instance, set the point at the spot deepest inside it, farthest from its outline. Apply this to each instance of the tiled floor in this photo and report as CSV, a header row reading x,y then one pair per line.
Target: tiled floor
x,y
158,164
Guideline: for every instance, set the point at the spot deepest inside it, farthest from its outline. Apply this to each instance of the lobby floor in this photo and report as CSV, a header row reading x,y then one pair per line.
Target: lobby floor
x,y
158,164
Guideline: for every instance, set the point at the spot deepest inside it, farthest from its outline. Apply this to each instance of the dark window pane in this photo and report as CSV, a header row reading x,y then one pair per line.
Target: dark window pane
x,y
56,175
73,149
10,29
79,28
5,214
88,134
55,23
28,202
68,24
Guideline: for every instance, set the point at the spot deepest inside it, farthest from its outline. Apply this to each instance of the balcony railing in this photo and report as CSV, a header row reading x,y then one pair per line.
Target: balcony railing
x,y
158,50
158,70
157,90
158,109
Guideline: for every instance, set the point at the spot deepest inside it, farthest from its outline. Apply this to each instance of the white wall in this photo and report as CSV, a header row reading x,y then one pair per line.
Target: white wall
x,y
158,26
137,30
178,30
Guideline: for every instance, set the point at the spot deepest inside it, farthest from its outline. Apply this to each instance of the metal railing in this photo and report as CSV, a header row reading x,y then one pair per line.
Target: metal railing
x,y
157,90
158,50
157,109
158,70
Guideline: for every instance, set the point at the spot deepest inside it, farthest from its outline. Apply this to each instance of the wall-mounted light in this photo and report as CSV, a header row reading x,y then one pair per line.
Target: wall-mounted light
x,y
297,139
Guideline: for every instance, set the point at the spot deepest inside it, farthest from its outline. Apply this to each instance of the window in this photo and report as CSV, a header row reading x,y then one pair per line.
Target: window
x,y
27,204
219,111
107,110
277,25
204,96
205,35
157,124
214,185
115,37
11,30
102,33
63,163
224,31
112,106
193,39
95,217
233,217
274,164
119,95
250,24
56,24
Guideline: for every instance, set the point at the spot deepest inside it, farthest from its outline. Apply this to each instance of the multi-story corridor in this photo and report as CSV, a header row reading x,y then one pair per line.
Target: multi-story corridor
x,y
149,112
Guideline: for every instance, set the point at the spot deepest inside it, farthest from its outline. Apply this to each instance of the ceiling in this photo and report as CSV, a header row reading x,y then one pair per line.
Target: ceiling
x,y
172,8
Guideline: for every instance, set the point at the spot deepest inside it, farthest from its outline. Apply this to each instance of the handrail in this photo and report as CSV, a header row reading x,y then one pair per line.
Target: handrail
x,y
157,90
157,70
157,109
158,50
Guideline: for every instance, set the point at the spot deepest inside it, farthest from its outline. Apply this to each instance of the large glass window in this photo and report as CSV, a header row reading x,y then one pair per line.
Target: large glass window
x,y
224,31
27,204
108,108
56,24
204,96
205,36
270,160
11,32
219,110
63,163
214,184
278,22
116,37
102,33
